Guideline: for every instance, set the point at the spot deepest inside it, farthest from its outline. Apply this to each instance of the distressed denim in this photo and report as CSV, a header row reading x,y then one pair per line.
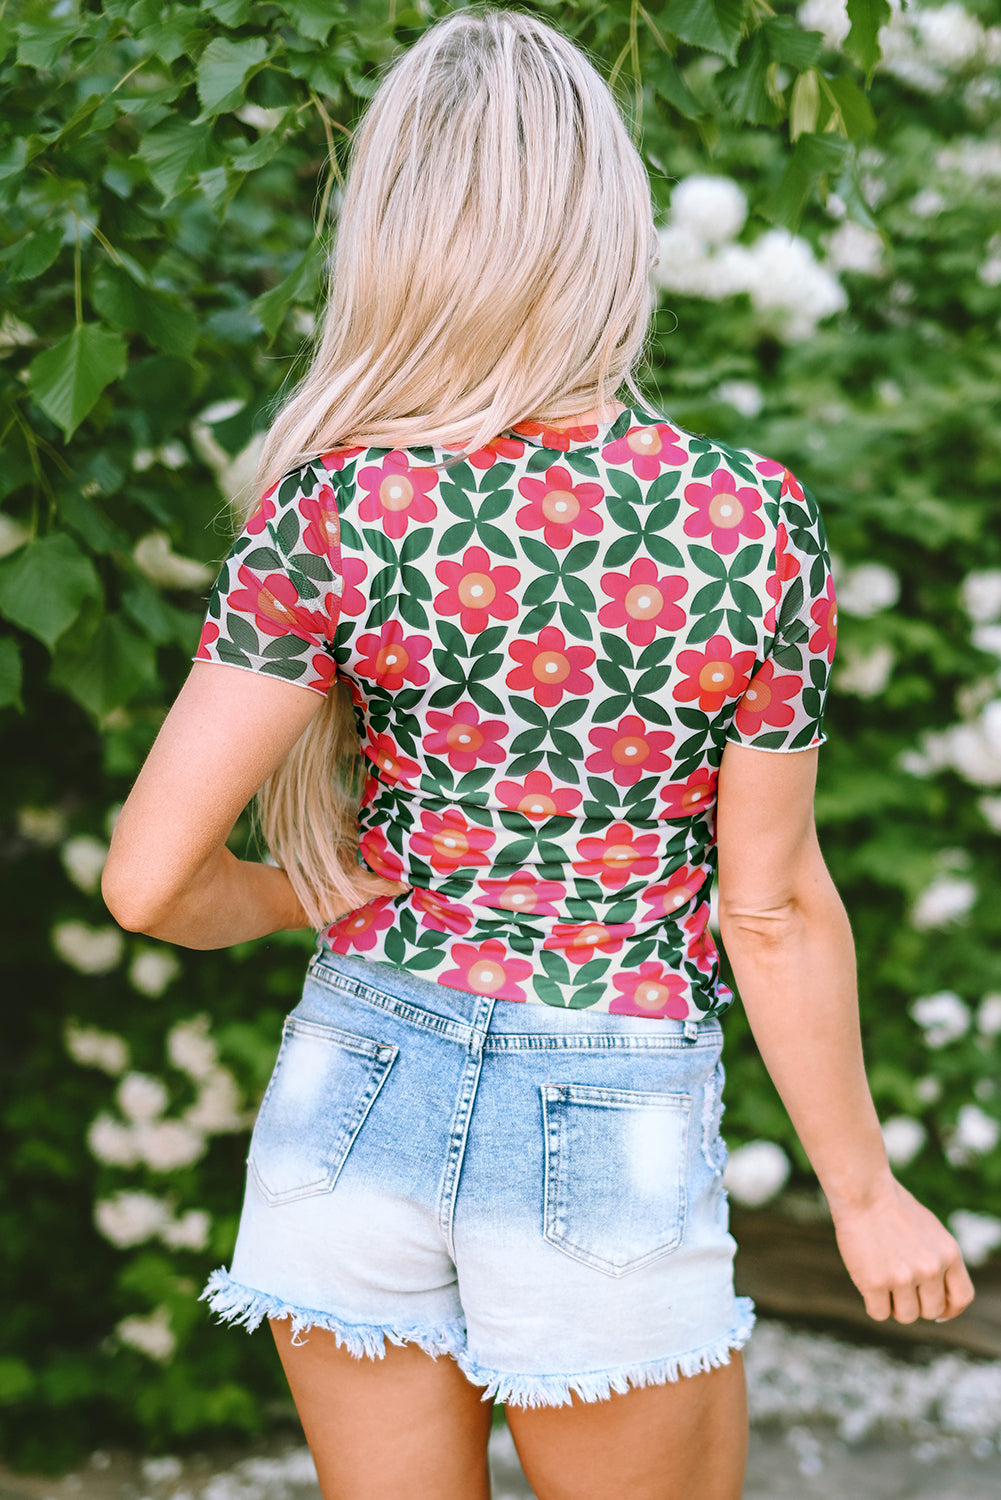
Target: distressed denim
x,y
534,1191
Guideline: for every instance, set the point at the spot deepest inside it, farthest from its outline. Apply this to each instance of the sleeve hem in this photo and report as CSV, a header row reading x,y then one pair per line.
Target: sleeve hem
x,y
214,661
779,749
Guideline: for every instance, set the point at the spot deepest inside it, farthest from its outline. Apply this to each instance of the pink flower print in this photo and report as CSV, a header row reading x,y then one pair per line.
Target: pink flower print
x,y
440,915
537,798
360,929
463,738
391,659
379,855
322,535
723,510
824,614
630,751
353,572
701,948
392,766
651,990
581,941
558,438
786,567
209,636
338,457
550,668
449,843
274,603
642,601
685,799
326,672
671,895
764,701
487,969
619,855
522,892
477,590
559,508
648,449
266,509
396,494
713,675
500,447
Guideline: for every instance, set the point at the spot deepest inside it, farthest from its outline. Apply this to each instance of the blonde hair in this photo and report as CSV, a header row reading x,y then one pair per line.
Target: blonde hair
x,y
491,264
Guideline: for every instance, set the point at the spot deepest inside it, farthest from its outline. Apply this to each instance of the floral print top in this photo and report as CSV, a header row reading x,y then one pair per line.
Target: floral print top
x,y
548,647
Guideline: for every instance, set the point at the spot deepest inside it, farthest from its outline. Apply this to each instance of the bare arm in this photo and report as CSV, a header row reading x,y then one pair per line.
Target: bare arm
x,y
169,872
789,943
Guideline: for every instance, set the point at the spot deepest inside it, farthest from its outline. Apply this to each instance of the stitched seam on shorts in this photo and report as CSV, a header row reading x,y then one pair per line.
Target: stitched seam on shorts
x,y
455,1031
526,1041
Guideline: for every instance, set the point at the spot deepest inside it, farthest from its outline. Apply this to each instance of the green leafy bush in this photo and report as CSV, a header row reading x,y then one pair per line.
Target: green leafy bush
x,y
165,173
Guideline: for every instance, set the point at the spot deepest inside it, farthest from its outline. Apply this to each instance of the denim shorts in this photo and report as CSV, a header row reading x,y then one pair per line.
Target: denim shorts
x,y
536,1192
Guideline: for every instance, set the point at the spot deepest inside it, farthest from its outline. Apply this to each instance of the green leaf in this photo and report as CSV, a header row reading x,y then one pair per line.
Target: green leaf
x,y
229,12
744,89
35,254
854,112
104,671
671,87
790,44
42,43
164,320
174,154
804,107
10,675
713,25
44,585
67,379
300,285
223,68
813,157
311,18
862,41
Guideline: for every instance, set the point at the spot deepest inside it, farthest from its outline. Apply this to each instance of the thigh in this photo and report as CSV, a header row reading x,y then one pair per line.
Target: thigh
x,y
683,1440
404,1425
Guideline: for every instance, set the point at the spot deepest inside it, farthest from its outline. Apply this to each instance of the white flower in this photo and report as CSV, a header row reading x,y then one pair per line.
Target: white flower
x,y
96,1049
975,159
189,1232
743,395
851,247
155,558
786,279
927,204
89,950
110,1141
111,818
756,1172
83,860
929,1089
152,970
141,1097
976,1234
711,208
152,1335
946,900
975,749
987,638
169,1144
165,1470
903,1138
989,1016
13,534
950,34
216,1109
943,1017
44,826
866,673
829,17
990,811
976,1131
191,1049
989,271
130,1217
866,588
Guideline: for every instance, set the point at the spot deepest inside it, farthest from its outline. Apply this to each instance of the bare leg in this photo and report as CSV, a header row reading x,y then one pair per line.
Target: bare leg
x,y
686,1440
378,1429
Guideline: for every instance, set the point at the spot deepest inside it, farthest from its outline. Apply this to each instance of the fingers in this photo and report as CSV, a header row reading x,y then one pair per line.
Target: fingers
x,y
959,1291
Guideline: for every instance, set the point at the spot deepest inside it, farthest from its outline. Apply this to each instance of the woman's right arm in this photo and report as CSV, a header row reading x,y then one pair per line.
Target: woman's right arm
x,y
790,946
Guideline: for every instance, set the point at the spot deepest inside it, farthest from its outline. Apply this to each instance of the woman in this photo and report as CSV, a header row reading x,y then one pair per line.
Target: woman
x,y
574,642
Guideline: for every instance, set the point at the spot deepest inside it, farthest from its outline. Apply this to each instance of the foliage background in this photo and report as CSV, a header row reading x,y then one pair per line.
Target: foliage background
x,y
165,176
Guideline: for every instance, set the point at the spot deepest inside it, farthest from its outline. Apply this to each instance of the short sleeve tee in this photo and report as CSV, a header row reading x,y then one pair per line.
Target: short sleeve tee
x,y
548,646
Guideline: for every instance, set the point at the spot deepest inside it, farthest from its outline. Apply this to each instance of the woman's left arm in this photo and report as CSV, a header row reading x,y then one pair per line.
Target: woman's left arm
x,y
168,872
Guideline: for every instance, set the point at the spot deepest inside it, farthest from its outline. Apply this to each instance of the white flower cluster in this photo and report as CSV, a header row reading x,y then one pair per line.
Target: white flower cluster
x,y
755,1173
976,1234
852,247
83,860
971,747
699,256
903,1138
152,1335
924,46
947,899
865,673
153,969
132,1218
943,1017
154,556
93,1048
43,826
89,950
975,1133
865,589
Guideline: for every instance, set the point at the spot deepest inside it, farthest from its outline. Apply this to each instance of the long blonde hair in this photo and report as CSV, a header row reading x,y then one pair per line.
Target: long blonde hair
x,y
491,264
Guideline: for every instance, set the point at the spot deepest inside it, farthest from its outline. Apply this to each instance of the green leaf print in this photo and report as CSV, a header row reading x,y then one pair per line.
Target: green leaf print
x,y
555,966
496,540
569,713
527,741
788,656
540,589
580,462
445,697
651,709
707,464
527,709
413,612
664,551
566,744
622,551
625,485
542,458
664,485
262,560
576,621
495,478
657,652
708,597
818,671
705,628
542,556
456,537
561,766
522,764
452,639
746,599
456,499
538,618
414,546
707,561
617,651
741,628
746,561
607,710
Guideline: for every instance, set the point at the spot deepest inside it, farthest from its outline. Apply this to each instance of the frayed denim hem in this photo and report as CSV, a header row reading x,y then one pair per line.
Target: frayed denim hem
x,y
598,1385
243,1305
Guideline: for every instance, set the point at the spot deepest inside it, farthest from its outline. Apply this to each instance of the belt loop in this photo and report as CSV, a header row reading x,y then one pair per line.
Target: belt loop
x,y
691,1030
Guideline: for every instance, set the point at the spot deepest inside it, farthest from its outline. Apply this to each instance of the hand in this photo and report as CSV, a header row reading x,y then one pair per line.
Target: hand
x,y
903,1260
366,886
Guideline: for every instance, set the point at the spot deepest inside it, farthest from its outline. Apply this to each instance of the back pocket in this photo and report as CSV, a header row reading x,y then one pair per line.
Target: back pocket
x,y
615,1174
322,1087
